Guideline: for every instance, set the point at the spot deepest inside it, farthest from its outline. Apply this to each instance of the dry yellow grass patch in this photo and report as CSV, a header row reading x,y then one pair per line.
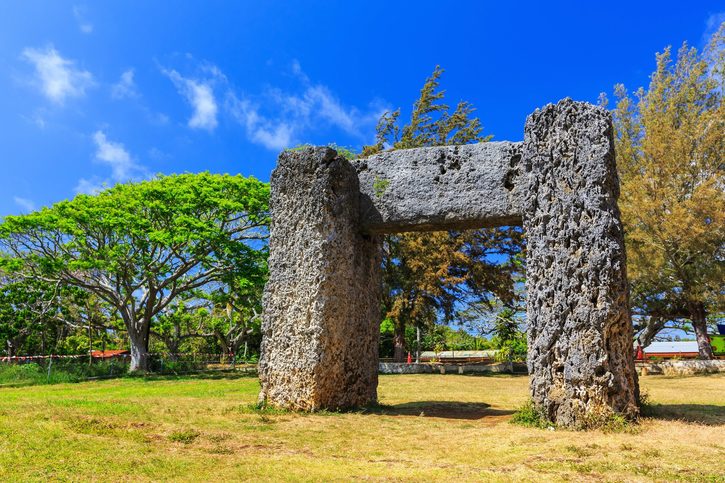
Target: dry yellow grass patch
x,y
431,427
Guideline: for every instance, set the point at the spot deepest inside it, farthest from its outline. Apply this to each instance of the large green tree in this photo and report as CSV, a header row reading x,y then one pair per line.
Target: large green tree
x,y
27,307
434,276
670,142
140,246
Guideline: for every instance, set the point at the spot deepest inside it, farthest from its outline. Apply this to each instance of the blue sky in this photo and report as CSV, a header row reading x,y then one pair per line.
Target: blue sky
x,y
95,93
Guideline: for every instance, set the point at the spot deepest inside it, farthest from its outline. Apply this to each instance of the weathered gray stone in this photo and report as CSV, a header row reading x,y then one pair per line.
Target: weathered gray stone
x,y
689,367
429,368
321,314
579,329
321,303
439,188
403,368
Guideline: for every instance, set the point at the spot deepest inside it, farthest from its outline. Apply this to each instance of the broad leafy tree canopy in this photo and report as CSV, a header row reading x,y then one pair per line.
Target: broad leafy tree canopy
x,y
138,246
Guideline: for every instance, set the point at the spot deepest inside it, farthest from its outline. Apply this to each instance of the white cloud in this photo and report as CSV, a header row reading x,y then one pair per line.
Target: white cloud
x,y
158,155
90,186
273,136
25,204
291,115
36,119
712,23
113,154
331,109
200,95
298,72
125,87
79,12
57,78
275,119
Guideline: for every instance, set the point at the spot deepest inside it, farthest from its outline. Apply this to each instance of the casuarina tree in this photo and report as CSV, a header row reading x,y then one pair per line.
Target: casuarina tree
x,y
670,143
433,276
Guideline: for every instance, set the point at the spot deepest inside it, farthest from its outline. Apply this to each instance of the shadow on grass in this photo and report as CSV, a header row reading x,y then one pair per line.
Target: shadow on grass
x,y
439,409
707,414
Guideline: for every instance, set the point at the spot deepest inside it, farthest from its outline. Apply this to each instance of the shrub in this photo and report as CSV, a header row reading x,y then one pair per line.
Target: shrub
x,y
531,416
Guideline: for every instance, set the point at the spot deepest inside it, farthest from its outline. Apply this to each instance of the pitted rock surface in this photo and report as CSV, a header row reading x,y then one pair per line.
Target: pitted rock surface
x,y
579,328
439,188
321,303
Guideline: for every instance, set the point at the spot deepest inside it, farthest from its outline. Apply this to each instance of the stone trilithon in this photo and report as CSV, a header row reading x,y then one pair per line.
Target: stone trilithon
x,y
322,301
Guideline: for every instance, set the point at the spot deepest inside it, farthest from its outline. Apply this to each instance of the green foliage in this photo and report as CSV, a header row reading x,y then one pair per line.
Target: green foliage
x,y
436,338
669,143
611,423
380,185
432,277
508,338
530,416
186,436
343,151
442,337
140,246
261,408
171,366
431,122
58,372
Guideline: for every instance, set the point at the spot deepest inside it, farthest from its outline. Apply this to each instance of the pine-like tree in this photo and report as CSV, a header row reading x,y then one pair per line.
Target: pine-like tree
x,y
437,275
670,143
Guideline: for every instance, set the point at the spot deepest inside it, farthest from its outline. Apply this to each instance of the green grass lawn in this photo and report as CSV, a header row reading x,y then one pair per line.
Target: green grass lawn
x,y
431,427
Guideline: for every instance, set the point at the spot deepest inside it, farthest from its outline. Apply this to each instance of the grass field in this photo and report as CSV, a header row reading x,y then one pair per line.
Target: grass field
x,y
431,427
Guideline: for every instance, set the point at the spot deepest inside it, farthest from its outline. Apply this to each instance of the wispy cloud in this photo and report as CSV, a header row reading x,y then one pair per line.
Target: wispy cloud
x,y
80,13
712,23
57,78
273,135
291,115
114,155
37,119
91,186
276,118
125,88
200,96
25,204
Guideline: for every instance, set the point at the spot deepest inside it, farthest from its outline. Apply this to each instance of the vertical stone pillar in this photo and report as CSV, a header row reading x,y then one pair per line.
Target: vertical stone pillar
x,y
580,333
321,303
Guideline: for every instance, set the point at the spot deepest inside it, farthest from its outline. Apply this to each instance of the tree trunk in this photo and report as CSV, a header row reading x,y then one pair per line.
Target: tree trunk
x,y
399,342
224,346
698,317
652,327
139,338
172,344
417,344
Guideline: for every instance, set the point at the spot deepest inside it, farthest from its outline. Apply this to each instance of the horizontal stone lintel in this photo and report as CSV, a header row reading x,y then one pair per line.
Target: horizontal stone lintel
x,y
441,188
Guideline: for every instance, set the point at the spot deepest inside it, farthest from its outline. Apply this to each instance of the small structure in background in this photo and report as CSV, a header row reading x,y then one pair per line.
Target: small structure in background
x,y
115,355
668,350
487,356
680,349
